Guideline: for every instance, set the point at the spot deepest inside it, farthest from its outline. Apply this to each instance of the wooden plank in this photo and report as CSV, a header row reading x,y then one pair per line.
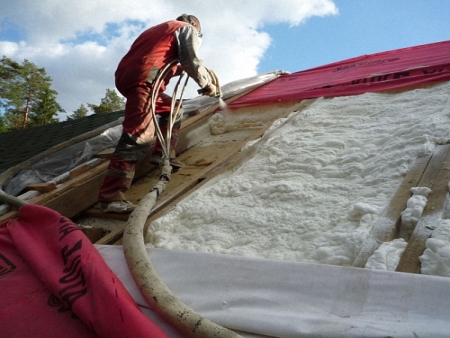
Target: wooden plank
x,y
432,213
387,225
423,174
75,172
431,174
81,169
71,194
81,196
410,262
434,169
105,154
42,187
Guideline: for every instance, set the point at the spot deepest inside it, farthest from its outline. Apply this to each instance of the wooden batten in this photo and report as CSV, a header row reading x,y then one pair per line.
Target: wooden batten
x,y
42,187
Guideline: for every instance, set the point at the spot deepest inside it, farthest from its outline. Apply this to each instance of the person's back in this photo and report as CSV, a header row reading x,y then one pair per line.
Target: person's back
x,y
156,46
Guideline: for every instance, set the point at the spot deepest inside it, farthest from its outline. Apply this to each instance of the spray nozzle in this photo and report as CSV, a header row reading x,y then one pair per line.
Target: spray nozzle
x,y
218,92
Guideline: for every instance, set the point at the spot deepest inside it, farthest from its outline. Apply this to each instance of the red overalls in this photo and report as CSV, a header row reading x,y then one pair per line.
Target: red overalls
x,y
155,47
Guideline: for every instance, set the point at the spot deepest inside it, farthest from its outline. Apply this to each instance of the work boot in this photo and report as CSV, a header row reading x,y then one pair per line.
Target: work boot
x,y
118,207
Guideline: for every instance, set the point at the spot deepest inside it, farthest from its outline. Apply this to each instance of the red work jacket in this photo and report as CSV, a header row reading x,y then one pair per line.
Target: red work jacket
x,y
157,46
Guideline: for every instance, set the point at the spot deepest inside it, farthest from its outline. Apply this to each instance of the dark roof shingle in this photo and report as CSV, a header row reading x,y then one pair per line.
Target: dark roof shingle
x,y
20,145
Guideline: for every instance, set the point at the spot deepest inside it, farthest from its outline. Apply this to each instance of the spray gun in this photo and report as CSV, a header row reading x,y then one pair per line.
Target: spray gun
x,y
214,81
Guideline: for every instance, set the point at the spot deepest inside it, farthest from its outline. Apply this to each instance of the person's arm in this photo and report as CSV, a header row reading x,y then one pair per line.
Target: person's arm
x,y
188,45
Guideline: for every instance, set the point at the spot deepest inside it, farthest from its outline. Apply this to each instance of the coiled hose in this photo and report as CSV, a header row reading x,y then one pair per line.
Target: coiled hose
x,y
156,293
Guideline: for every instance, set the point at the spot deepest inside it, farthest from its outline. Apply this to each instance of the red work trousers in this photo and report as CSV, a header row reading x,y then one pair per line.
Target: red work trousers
x,y
135,142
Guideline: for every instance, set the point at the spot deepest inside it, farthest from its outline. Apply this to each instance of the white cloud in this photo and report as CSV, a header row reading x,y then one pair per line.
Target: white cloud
x,y
63,36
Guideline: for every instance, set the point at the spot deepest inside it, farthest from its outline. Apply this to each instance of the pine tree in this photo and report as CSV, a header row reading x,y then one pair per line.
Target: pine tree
x,y
110,103
44,108
80,112
26,95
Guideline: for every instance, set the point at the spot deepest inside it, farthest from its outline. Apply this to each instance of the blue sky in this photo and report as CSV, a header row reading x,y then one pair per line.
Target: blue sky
x,y
80,43
361,27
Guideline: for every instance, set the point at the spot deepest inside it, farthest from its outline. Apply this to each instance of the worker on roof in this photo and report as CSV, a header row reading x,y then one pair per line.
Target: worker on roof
x,y
155,48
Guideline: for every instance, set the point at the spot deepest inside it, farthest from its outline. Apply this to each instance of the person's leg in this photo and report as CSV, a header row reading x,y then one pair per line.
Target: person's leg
x,y
118,179
138,131
138,120
120,174
121,169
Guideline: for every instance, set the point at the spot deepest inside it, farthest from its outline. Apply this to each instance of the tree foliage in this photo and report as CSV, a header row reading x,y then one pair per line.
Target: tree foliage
x,y
26,95
80,112
45,108
110,103
3,124
27,99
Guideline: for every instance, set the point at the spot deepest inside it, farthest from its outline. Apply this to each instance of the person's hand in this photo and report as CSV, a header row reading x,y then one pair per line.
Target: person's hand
x,y
215,81
210,90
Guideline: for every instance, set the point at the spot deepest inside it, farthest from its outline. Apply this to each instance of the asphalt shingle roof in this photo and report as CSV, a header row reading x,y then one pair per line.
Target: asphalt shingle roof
x,y
20,145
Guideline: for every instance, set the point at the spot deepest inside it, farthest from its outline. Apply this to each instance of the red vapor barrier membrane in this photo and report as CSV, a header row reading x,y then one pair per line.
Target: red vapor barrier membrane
x,y
408,67
54,283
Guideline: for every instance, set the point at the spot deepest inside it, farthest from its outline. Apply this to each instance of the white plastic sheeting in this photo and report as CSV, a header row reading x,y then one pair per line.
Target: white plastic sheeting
x,y
288,299
231,89
65,160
